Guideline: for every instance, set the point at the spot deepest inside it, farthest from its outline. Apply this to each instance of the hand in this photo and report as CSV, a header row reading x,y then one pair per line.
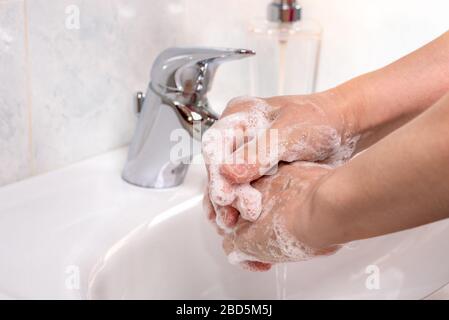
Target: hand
x,y
281,233
311,128
219,142
315,128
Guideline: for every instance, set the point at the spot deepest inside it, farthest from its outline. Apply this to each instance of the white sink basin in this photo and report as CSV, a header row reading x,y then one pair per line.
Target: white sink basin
x,y
82,232
178,256
54,227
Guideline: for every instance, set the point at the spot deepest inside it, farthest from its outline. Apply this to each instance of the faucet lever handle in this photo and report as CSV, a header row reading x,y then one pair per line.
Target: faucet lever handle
x,y
190,70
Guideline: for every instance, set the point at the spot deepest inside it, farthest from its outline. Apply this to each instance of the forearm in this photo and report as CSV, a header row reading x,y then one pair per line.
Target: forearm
x,y
383,100
399,183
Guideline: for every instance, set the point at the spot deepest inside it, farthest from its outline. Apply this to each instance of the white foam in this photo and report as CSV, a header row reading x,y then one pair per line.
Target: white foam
x,y
321,143
343,153
236,257
219,220
219,143
289,247
327,145
283,248
248,202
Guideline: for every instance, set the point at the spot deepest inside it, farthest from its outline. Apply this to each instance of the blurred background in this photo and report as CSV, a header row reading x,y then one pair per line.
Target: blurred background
x,y
67,89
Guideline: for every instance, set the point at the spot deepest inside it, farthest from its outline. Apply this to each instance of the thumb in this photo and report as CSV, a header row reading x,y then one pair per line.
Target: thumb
x,y
235,257
253,159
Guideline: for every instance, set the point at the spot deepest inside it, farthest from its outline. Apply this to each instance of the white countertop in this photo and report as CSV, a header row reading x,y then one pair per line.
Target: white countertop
x,y
55,224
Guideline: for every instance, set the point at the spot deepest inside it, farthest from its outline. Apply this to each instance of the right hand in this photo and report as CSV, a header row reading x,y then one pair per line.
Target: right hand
x,y
315,128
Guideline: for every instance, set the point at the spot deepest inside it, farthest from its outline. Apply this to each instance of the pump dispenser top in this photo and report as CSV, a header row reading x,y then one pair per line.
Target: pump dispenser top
x,y
284,11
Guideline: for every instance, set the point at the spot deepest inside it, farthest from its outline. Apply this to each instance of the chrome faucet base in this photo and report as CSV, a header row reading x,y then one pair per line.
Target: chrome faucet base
x,y
176,98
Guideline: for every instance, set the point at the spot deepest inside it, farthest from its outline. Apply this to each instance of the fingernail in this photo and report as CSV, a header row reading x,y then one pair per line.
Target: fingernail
x,y
256,266
238,169
235,170
231,216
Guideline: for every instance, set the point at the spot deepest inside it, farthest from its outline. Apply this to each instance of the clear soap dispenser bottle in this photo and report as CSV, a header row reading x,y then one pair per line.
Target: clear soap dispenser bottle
x,y
287,51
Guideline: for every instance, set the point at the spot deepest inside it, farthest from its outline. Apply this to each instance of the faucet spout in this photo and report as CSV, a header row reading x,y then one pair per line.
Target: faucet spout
x,y
175,110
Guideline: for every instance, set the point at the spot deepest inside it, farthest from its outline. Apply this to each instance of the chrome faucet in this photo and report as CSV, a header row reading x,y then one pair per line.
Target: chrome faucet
x,y
176,98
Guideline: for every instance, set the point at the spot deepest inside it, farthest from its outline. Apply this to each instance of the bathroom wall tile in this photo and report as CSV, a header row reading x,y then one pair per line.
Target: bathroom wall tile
x,y
14,135
441,294
362,35
84,79
358,35
224,24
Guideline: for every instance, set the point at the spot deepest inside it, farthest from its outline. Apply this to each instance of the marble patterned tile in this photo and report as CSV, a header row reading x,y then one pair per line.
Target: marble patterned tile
x,y
83,77
363,35
358,35
88,58
14,134
224,24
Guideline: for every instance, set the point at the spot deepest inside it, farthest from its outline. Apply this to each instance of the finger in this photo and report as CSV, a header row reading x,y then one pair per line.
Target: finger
x,y
254,159
221,191
208,208
218,143
256,266
228,244
231,132
210,213
244,104
227,217
222,217
327,251
248,202
238,258
279,143
222,139
309,143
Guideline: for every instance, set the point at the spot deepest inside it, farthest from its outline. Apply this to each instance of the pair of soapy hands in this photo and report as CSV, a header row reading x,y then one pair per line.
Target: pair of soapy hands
x,y
265,159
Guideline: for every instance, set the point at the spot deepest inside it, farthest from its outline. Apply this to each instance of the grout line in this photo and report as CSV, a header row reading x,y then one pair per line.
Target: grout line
x,y
28,88
436,292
